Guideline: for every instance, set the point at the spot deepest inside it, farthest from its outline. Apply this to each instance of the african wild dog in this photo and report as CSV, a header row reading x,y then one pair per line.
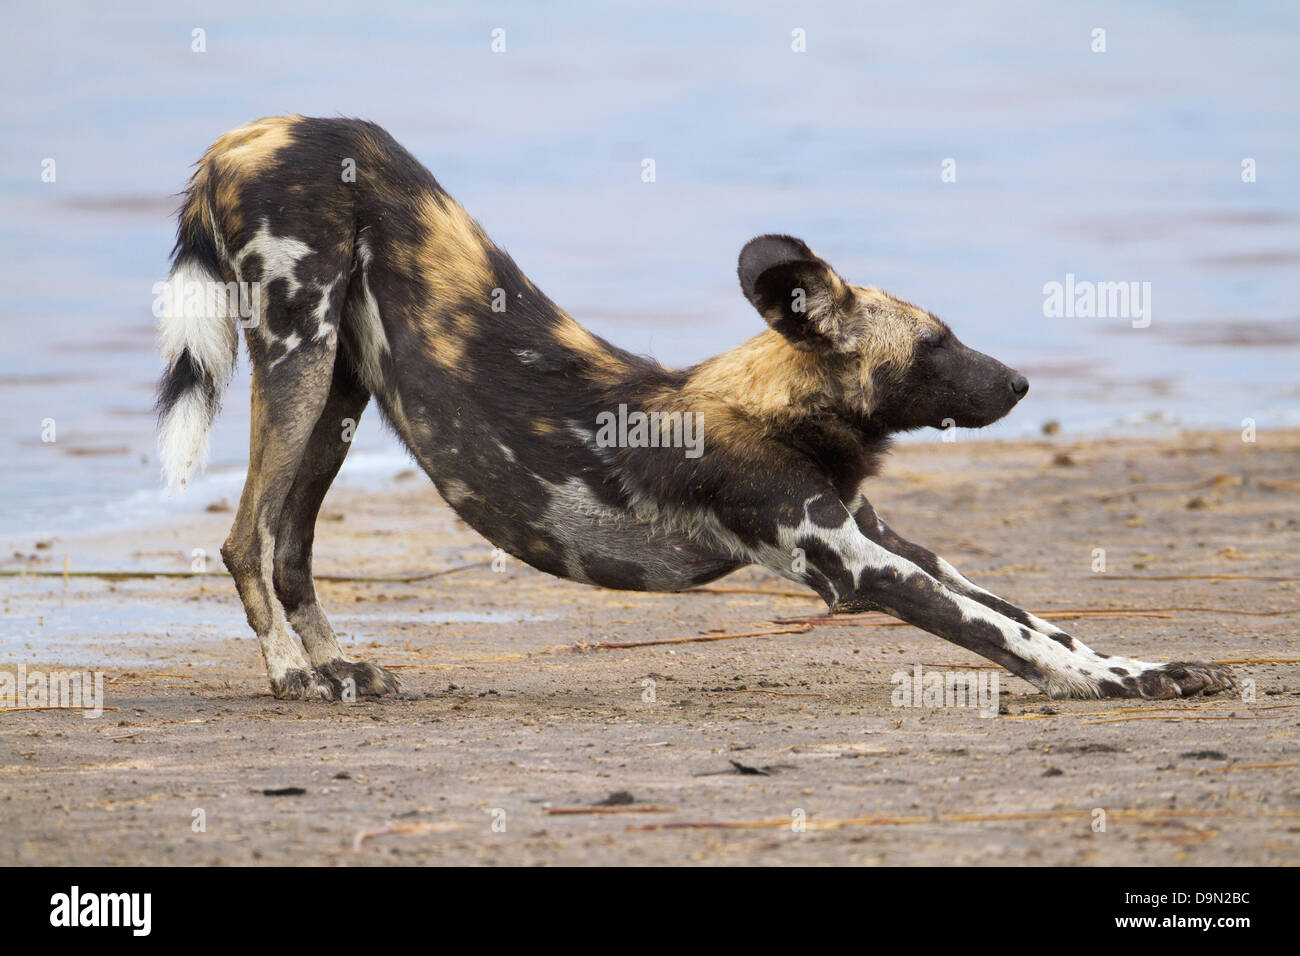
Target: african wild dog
x,y
381,285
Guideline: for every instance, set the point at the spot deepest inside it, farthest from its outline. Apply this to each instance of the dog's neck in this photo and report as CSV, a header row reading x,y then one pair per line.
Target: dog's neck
x,y
781,394
765,376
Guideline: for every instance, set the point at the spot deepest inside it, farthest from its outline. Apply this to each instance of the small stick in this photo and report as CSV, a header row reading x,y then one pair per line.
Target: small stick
x,y
1278,485
620,645
1257,660
1195,577
878,620
763,690
177,676
364,835
1176,486
411,579
1229,610
1116,720
1037,716
572,811
1272,706
839,621
1117,612
7,709
965,667
826,620
1174,711
1252,766
763,591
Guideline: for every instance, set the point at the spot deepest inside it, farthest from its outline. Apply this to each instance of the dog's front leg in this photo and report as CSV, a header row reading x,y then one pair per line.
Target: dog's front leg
x,y
820,543
874,527
814,539
1112,676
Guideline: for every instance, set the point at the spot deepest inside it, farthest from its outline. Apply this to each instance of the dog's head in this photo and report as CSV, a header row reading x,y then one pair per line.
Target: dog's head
x,y
882,359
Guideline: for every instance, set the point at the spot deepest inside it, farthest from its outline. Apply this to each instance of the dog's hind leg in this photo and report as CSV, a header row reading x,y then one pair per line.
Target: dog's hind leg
x,y
287,401
292,350
326,449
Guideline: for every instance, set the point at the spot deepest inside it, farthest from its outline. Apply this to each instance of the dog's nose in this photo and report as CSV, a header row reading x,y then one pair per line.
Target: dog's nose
x,y
1019,385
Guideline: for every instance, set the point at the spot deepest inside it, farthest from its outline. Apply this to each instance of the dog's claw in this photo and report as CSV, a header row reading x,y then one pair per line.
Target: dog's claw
x,y
370,680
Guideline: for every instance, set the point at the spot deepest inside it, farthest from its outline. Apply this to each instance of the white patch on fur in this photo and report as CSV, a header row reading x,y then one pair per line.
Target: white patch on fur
x,y
856,552
1068,674
367,328
281,648
218,239
279,256
323,324
1098,667
455,491
590,530
954,578
281,651
290,342
573,517
183,439
199,315
700,525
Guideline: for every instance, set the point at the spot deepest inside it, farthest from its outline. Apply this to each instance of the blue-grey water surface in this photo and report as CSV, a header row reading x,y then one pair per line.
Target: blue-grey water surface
x,y
1123,165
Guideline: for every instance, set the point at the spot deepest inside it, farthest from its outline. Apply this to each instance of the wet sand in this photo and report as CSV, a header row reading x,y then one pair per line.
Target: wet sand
x,y
506,718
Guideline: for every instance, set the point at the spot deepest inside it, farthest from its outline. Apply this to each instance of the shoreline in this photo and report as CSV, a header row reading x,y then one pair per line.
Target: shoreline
x,y
374,463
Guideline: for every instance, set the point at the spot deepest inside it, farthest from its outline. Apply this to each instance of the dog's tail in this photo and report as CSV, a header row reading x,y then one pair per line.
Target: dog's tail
x,y
198,336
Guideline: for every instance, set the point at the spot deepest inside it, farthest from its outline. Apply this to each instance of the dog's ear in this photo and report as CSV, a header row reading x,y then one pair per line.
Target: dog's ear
x,y
797,293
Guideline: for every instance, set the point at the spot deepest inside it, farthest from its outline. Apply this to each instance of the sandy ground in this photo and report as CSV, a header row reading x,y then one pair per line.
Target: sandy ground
x,y
505,719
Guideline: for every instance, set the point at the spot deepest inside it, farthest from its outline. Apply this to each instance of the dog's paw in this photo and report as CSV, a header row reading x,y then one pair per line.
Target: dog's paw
x,y
303,683
1185,679
1175,679
369,680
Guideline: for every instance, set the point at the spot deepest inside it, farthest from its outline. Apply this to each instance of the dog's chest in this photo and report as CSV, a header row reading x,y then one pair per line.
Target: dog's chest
x,y
561,526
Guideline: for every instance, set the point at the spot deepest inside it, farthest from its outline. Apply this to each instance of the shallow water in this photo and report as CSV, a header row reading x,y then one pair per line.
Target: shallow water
x,y
65,627
1115,166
